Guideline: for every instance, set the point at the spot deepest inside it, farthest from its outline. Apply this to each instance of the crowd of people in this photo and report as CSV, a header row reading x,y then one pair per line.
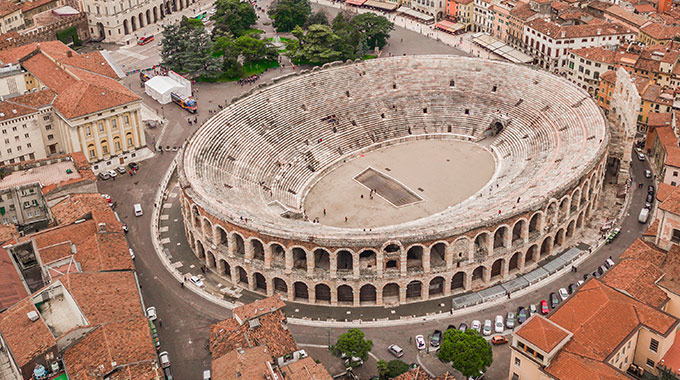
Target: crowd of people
x,y
248,80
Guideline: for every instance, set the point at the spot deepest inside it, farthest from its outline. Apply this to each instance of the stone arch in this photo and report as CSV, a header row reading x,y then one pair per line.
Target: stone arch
x,y
436,286
579,221
531,256
478,275
481,246
460,249
280,286
559,237
571,228
322,260
300,291
210,260
133,22
223,237
438,255
414,257
200,251
497,268
322,293
148,16
239,245
584,193
414,290
546,247
278,254
551,212
367,295
206,229
368,260
499,237
535,222
458,281
299,258
260,282
258,249
345,294
517,231
196,216
241,275
513,265
141,20
126,27
344,260
391,247
155,14
390,293
224,269
564,209
575,200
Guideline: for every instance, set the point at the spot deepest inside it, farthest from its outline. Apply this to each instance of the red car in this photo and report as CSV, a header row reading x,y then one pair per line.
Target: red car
x,y
544,307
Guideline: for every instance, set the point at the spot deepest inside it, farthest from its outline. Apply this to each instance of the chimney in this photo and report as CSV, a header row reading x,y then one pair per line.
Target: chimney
x,y
101,227
32,315
599,31
563,34
69,53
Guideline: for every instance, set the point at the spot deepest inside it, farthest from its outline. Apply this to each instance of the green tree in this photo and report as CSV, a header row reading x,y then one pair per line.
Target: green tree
x,y
226,48
376,28
382,369
188,49
253,49
353,343
319,17
395,368
287,14
319,45
232,18
467,351
353,43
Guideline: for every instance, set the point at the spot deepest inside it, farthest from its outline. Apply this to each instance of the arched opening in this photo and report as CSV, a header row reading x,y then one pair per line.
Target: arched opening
x,y
513,265
155,14
564,209
322,261
533,223
391,264
242,275
133,21
141,20
436,286
499,237
559,238
345,294
260,283
280,286
497,269
224,269
481,246
367,260
148,16
299,258
458,281
438,255
586,191
367,295
517,232
322,293
258,249
531,255
478,275
224,238
414,258
126,27
570,229
207,230
579,221
390,293
278,255
414,290
551,213
199,250
391,248
240,246
546,247
210,260
345,263
575,199
301,292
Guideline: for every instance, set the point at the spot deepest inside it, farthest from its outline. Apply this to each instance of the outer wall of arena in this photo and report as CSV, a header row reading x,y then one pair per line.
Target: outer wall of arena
x,y
395,272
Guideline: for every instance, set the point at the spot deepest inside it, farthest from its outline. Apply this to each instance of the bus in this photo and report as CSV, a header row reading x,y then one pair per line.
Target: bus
x,y
188,104
201,16
145,40
143,77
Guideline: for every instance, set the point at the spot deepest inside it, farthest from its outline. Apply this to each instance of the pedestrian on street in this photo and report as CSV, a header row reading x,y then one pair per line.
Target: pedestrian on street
x,y
160,322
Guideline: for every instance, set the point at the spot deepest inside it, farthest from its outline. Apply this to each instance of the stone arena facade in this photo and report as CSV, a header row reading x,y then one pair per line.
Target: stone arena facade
x,y
244,175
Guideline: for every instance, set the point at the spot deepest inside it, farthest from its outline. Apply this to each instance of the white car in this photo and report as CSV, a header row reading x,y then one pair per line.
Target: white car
x,y
165,359
579,283
420,342
563,294
648,173
498,325
113,173
197,281
132,254
476,325
151,313
487,328
641,156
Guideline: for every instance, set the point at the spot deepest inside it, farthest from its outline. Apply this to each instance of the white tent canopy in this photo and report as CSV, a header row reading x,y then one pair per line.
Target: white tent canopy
x,y
160,87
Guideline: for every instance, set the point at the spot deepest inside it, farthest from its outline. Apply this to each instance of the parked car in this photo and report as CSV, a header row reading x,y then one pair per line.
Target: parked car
x,y
650,189
585,277
595,274
648,173
206,374
462,327
554,300
644,214
164,359
544,307
499,339
563,294
510,320
121,170
609,263
125,227
104,176
112,173
107,198
395,350
151,313
649,198
532,309
498,324
486,330
476,325
579,283
641,156
132,254
521,315
420,342
133,166
451,327
436,338
601,269
196,281
571,288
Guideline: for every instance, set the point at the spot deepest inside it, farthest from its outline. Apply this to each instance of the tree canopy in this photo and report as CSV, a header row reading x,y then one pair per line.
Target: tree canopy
x,y
376,28
353,343
467,351
317,18
187,48
287,14
232,17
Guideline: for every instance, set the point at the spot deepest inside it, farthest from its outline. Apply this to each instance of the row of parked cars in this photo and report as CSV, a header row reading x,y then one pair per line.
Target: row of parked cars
x,y
120,170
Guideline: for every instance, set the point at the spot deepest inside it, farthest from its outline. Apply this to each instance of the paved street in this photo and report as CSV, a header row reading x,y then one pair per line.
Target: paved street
x,y
186,317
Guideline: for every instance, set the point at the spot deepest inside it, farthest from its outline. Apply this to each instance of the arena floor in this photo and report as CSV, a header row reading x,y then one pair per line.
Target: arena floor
x,y
412,180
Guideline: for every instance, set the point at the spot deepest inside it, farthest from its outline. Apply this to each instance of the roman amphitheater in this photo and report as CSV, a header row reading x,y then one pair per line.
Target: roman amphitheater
x,y
393,180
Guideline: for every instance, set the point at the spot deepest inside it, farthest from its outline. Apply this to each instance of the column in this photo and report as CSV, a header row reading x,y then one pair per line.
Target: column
x,y
426,259
380,263
231,245
334,295
402,294
403,262
487,275
378,296
248,247
425,291
310,263
268,257
355,265
333,263
449,258
97,147
311,292
270,288
291,291
507,239
505,269
520,262
447,287
525,231
468,281
356,297
289,261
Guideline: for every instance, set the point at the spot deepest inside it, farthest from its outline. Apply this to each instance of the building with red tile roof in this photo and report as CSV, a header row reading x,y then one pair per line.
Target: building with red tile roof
x,y
665,153
11,18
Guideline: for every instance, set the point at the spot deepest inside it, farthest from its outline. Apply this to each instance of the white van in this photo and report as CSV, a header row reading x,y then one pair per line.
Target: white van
x,y
138,209
644,214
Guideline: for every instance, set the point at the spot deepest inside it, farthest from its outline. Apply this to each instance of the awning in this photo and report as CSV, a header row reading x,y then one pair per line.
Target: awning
x,y
381,5
358,3
448,26
499,47
416,14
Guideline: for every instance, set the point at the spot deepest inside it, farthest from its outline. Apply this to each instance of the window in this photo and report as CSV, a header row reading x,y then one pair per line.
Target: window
x,y
654,344
16,138
650,363
675,173
48,127
9,150
673,183
28,145
88,132
50,137
26,135
518,362
14,129
19,148
126,118
114,125
101,127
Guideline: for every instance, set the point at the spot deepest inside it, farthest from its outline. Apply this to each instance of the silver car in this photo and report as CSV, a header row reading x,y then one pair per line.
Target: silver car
x,y
510,320
487,328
